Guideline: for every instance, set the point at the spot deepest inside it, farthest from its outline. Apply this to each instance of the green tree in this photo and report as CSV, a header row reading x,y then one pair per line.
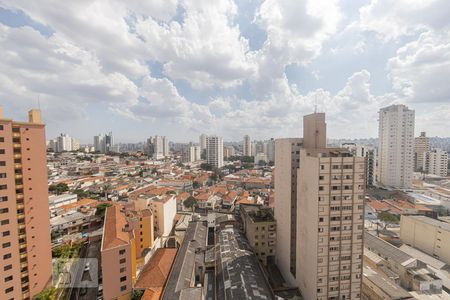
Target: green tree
x,y
101,209
47,294
195,185
137,294
190,202
262,163
206,167
388,217
59,188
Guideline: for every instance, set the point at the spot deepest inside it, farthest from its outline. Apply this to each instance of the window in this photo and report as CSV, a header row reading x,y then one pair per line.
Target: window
x,y
122,261
9,290
4,198
3,187
9,278
1,127
6,256
2,175
123,278
7,267
121,252
123,269
4,222
2,163
6,233
4,210
2,139
123,288
2,151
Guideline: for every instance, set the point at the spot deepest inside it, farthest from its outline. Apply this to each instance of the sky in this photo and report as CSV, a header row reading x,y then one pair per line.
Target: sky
x,y
184,67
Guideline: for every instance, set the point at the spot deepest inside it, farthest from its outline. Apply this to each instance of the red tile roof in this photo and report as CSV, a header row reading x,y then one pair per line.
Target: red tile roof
x,y
156,271
115,221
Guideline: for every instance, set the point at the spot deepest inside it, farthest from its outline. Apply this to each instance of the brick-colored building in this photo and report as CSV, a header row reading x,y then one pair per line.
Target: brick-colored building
x,y
25,255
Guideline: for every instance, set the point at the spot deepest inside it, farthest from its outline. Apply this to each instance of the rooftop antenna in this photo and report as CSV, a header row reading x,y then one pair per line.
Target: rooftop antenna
x,y
315,103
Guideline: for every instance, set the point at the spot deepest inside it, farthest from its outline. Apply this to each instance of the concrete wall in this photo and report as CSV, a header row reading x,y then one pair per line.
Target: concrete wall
x,y
111,272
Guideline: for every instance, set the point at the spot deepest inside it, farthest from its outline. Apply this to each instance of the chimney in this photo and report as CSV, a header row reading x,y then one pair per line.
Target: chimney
x,y
34,116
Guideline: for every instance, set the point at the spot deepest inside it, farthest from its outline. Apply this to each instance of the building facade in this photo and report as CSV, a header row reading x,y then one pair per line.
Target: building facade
x,y
421,145
319,208
435,162
426,234
247,146
214,151
396,146
370,153
202,141
26,259
194,153
260,230
127,234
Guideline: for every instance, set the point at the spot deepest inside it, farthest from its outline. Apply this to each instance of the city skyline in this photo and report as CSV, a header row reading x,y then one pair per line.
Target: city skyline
x,y
350,60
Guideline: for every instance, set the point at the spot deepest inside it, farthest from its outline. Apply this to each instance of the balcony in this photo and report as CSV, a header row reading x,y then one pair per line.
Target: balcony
x,y
20,206
18,176
24,274
23,245
23,265
16,145
21,226
17,166
22,236
21,216
23,255
19,196
19,186
17,156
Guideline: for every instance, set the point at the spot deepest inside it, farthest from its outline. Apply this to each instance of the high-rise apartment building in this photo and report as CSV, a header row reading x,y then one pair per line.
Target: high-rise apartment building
x,y
160,147
63,143
104,143
25,254
269,149
370,153
109,143
319,208
421,145
202,141
214,151
194,153
228,151
247,147
396,146
435,162
99,143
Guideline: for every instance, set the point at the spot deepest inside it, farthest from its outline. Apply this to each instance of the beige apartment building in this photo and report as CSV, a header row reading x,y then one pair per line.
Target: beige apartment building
x,y
421,145
426,234
25,253
396,146
260,230
127,235
319,208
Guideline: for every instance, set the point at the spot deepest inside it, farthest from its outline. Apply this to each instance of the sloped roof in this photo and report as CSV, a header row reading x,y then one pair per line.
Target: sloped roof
x,y
156,271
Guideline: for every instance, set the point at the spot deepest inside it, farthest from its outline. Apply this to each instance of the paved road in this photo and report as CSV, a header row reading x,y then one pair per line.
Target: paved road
x,y
92,251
